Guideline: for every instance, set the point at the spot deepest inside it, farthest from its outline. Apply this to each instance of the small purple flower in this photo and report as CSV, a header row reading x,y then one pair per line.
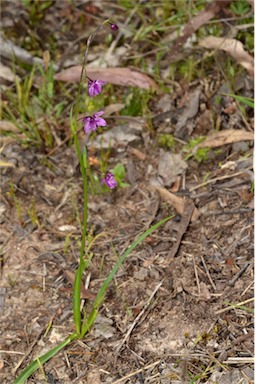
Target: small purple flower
x,y
95,87
114,27
91,123
109,181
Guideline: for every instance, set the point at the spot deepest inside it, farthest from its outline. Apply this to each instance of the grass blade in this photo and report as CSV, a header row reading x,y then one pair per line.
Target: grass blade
x,y
31,368
100,296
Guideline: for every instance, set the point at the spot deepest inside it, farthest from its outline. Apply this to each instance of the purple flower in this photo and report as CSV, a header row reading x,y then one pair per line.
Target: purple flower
x,y
109,181
91,123
114,27
95,87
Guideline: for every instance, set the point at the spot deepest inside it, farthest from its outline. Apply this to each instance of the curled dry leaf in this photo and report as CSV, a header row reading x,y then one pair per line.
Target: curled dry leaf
x,y
228,136
233,47
117,76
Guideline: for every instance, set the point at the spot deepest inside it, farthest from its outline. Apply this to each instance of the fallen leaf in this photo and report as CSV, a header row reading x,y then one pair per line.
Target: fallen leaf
x,y
194,24
233,47
118,76
103,327
176,201
188,112
170,167
227,136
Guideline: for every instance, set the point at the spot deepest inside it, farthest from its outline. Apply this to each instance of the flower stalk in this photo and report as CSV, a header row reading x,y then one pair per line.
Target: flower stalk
x,y
83,323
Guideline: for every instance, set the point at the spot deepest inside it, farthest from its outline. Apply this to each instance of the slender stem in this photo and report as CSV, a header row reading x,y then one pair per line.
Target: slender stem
x,y
80,269
85,204
83,167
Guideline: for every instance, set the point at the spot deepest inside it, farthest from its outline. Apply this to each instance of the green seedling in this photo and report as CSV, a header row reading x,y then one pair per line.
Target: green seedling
x,y
252,187
11,281
240,7
136,102
36,9
17,204
32,109
33,214
199,154
167,141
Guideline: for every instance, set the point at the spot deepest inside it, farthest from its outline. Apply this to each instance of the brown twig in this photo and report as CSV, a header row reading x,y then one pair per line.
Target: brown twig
x,y
208,273
185,220
238,274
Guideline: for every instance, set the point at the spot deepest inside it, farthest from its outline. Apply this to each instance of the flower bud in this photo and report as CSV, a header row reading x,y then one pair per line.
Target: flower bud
x,y
114,27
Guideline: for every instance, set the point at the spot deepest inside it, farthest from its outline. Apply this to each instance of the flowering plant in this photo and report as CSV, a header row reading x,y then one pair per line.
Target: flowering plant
x,y
82,322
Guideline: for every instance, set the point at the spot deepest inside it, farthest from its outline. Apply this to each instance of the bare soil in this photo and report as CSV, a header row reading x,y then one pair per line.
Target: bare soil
x,y
191,312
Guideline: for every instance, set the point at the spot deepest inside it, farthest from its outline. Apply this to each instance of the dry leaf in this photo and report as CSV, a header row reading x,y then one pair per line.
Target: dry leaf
x,y
118,76
202,18
228,136
232,46
170,166
176,201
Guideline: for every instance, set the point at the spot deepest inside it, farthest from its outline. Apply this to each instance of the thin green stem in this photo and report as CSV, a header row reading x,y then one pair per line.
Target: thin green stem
x,y
83,167
80,269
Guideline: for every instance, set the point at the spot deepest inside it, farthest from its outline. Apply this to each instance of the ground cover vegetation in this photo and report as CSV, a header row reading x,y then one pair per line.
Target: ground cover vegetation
x,y
127,191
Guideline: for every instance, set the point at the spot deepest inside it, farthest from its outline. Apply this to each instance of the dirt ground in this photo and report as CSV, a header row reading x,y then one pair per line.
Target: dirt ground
x,y
180,308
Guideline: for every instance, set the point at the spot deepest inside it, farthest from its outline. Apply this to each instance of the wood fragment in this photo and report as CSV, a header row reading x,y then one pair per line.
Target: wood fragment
x,y
237,341
124,379
185,220
228,136
208,273
238,274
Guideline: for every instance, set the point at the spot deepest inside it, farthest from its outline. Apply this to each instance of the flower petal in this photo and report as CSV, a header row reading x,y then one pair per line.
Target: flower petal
x,y
100,113
109,181
100,122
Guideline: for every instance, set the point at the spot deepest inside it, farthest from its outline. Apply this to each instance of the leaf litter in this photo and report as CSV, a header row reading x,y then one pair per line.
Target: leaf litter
x,y
168,303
